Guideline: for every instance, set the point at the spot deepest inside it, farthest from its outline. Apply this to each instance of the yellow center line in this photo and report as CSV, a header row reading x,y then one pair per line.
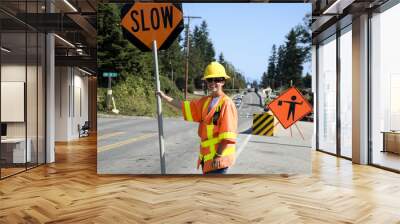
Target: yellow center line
x,y
126,142
105,136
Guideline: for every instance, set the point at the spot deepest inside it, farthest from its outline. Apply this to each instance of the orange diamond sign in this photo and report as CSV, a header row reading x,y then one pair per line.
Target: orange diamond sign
x,y
290,107
144,22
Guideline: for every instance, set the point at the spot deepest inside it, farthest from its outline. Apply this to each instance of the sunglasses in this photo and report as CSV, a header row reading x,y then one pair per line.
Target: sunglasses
x,y
210,80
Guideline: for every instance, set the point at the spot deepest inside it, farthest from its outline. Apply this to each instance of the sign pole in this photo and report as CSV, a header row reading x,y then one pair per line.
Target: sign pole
x,y
298,129
109,93
159,110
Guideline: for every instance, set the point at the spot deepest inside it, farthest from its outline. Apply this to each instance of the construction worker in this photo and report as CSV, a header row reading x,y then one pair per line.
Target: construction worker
x,y
217,118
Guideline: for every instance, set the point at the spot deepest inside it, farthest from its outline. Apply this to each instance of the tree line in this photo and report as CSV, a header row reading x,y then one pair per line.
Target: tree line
x,y
285,64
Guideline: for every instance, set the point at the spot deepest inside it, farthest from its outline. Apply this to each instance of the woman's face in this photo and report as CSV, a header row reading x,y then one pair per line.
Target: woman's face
x,y
215,85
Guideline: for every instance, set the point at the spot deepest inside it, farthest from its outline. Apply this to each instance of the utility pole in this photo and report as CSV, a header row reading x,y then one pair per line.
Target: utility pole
x,y
187,52
233,79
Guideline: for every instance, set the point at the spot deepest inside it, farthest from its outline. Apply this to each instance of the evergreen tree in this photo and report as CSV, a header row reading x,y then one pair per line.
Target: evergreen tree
x,y
287,65
208,52
303,33
202,53
293,61
265,82
268,78
221,59
110,41
279,78
307,81
254,84
172,61
115,53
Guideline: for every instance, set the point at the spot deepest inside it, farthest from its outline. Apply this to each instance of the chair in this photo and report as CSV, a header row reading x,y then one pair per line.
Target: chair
x,y
84,130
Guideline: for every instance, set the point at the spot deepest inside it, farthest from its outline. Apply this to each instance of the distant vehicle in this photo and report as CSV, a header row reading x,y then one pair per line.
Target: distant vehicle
x,y
273,96
237,100
238,97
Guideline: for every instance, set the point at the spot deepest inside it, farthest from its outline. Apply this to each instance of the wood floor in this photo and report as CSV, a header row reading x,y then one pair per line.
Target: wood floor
x,y
70,191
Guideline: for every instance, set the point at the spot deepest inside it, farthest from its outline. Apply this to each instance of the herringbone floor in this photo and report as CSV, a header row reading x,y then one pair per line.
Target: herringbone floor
x,y
70,191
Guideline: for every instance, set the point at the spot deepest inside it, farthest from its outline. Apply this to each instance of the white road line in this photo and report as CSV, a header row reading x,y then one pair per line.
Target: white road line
x,y
240,149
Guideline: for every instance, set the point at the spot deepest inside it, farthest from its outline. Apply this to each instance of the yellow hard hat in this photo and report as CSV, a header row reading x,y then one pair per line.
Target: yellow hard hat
x,y
215,70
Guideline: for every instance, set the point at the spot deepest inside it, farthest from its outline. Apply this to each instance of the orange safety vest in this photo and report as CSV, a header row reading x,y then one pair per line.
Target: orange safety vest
x,y
211,131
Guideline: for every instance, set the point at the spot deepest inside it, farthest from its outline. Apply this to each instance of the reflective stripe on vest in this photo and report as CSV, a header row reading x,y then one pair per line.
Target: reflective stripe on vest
x,y
188,112
225,135
222,136
212,142
205,105
228,151
210,131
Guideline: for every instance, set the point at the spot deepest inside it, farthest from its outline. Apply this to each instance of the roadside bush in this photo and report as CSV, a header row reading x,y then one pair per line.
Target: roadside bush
x,y
136,96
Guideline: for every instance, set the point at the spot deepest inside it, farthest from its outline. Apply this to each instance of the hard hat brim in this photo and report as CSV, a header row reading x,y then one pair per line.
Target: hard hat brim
x,y
216,76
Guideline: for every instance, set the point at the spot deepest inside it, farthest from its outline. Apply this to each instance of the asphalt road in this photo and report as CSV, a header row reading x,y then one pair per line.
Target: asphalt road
x,y
129,145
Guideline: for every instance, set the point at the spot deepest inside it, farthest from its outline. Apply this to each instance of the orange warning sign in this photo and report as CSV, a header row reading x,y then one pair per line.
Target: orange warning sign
x,y
290,107
144,22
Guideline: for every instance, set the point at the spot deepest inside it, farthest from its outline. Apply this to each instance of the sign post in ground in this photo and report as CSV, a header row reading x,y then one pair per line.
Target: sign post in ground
x,y
109,75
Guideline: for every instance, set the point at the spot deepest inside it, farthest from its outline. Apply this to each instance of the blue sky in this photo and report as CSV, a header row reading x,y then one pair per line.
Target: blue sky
x,y
245,32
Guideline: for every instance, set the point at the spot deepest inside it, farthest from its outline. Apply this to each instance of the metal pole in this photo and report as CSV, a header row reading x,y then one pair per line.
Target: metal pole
x,y
187,58
109,93
159,110
298,129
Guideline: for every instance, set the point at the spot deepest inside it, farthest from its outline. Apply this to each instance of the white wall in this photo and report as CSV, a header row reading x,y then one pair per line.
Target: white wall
x,y
14,73
33,126
81,82
71,87
62,81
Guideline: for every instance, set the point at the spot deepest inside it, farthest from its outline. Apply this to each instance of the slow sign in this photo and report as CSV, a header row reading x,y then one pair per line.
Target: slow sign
x,y
145,22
